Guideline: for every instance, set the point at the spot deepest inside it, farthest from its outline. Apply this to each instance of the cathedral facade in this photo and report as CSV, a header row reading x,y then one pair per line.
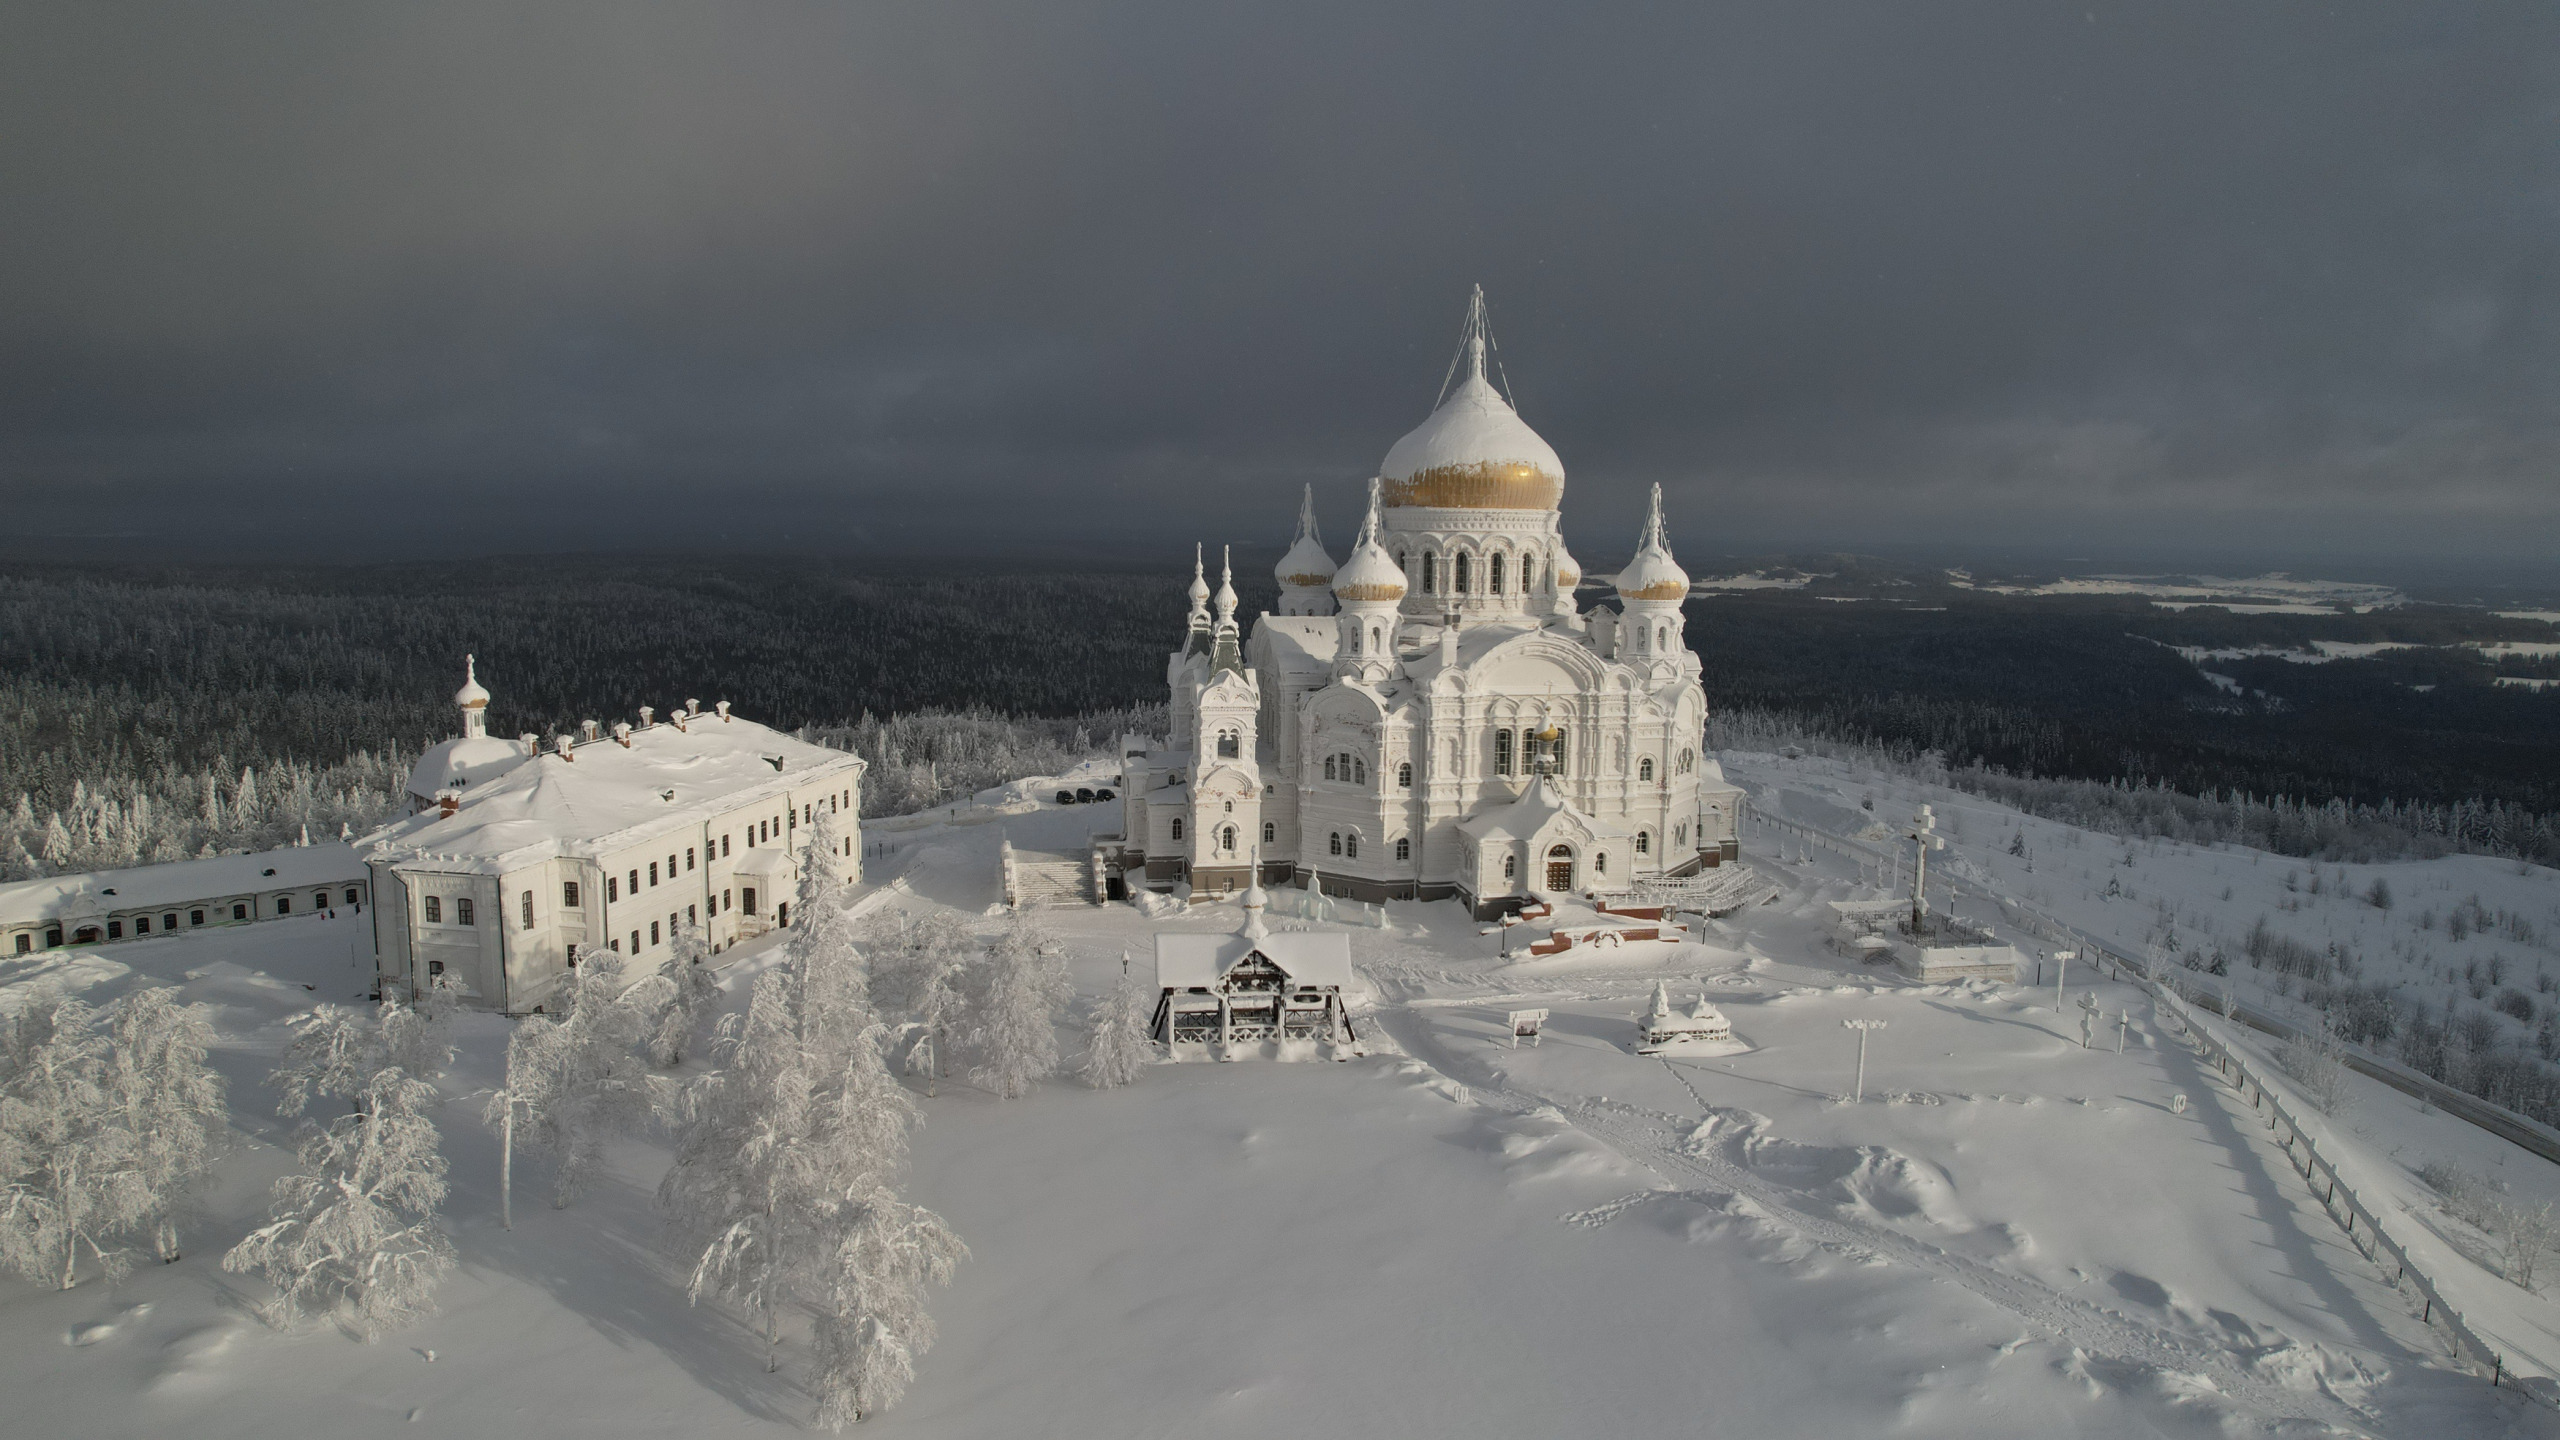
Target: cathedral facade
x,y
1437,716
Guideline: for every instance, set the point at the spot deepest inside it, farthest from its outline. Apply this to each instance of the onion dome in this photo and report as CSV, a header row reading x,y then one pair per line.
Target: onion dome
x,y
1306,566
1653,574
1371,574
471,696
1568,570
1475,452
1226,596
1199,582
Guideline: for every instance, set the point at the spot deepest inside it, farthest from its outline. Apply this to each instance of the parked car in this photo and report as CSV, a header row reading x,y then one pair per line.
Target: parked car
x,y
1066,797
1084,794
1104,795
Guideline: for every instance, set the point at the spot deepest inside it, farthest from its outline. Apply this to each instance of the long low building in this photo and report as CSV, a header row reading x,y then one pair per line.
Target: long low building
x,y
104,906
523,857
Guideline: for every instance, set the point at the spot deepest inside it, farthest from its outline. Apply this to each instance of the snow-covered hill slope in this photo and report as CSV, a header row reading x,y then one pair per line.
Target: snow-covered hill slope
x,y
2011,1236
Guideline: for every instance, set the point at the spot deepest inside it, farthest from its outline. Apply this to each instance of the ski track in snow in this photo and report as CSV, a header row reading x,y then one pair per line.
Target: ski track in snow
x,y
1657,1140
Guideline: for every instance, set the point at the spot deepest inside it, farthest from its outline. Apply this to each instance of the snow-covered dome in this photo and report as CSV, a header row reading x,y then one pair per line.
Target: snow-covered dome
x,y
1306,566
461,763
1371,574
471,696
1653,574
1568,570
1475,452
1199,581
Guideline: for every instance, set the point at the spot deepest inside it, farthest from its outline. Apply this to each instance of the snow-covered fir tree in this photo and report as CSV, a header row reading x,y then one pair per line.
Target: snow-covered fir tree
x,y
1018,990
354,1235
72,1167
1118,1049
172,1102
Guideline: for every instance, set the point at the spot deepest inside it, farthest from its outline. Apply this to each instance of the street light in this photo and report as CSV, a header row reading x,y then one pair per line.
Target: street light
x,y
1862,1027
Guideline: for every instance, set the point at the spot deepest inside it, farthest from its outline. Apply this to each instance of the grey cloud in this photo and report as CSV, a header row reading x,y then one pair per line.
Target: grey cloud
x,y
831,275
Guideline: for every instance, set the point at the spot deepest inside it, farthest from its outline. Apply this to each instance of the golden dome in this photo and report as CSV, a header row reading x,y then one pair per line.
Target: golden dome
x,y
1475,452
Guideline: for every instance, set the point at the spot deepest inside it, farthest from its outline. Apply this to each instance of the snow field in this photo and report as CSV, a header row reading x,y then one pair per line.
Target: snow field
x,y
2013,1236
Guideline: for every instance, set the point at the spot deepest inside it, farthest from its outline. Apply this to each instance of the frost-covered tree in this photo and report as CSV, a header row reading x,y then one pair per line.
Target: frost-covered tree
x,y
334,1057
599,1084
355,1235
171,1101
910,953
72,1174
788,1162
692,996
418,1038
1118,1049
1019,988
531,1071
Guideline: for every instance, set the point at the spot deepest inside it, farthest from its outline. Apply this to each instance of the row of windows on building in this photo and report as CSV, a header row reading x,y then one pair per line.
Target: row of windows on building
x,y
1513,750
1462,573
464,914
196,915
1347,843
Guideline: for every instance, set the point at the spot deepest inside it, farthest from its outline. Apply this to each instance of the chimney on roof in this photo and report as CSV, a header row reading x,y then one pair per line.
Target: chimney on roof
x,y
676,717
592,729
561,743
645,713
447,803
692,707
622,733
723,708
532,743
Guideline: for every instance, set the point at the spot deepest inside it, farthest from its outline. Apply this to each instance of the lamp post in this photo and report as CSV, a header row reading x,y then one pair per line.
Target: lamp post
x,y
1862,1027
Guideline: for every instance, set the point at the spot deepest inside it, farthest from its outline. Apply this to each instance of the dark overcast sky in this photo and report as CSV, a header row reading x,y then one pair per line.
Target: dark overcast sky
x,y
2228,280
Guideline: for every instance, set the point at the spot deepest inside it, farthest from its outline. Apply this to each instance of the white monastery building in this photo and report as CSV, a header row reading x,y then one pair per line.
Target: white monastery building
x,y
522,856
1437,716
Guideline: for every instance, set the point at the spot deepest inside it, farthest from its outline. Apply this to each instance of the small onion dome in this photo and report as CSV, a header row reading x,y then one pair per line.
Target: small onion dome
x,y
1199,581
1475,452
1371,574
471,696
1306,565
1653,575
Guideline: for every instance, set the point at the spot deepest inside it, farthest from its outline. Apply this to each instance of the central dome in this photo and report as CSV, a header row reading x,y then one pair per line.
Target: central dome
x,y
1474,453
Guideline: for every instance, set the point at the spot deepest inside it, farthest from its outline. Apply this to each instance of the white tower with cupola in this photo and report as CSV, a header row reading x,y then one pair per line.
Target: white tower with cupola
x,y
1369,588
1653,588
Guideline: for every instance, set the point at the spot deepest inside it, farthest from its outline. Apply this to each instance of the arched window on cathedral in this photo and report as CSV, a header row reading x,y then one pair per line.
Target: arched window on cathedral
x,y
1328,767
1227,740
1600,863
1335,844
1462,576
1680,833
1270,833
1493,574
1662,637
1404,848
1688,761
1510,867
1501,752
1359,772
1377,640
1177,827
1644,768
1430,574
1644,842
1404,776
1351,846
1227,839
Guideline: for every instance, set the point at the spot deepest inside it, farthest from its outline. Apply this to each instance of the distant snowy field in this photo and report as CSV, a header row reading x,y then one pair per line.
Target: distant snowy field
x,y
2012,1236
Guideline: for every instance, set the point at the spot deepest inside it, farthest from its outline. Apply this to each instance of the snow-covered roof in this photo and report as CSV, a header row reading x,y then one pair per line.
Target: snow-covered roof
x,y
461,763
772,860
143,887
610,796
1309,958
1537,806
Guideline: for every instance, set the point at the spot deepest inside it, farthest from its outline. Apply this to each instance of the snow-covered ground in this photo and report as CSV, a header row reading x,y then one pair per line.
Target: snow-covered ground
x,y
2011,1236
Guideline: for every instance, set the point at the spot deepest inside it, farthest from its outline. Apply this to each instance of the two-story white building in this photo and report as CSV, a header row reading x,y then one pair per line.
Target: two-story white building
x,y
525,855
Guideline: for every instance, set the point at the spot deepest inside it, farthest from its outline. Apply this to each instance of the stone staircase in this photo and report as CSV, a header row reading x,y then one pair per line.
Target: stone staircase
x,y
1042,877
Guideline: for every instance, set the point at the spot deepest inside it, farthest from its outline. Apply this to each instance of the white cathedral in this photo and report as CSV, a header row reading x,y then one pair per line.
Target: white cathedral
x,y
1437,717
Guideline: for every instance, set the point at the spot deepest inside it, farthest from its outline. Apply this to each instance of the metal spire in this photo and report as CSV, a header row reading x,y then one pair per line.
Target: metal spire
x,y
1475,344
1307,516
